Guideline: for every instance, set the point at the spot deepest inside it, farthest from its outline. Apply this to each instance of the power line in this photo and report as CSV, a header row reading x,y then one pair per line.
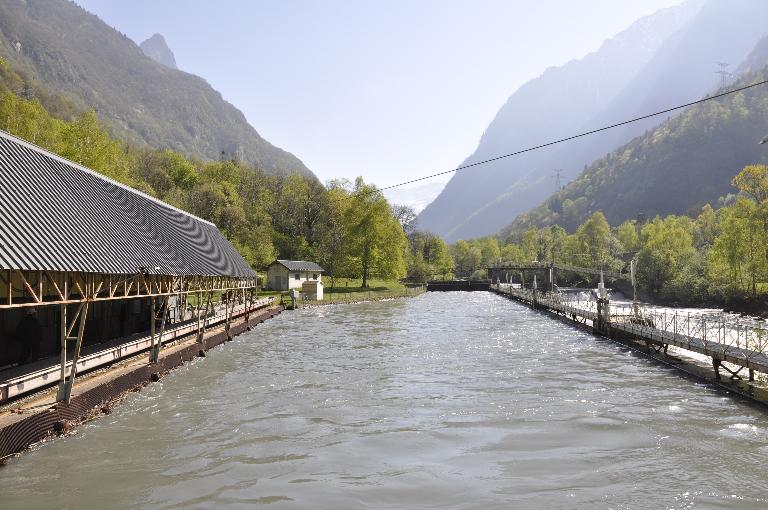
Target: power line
x,y
580,135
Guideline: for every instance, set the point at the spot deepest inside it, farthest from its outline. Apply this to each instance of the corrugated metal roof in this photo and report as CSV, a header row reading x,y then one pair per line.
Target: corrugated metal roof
x,y
59,216
300,265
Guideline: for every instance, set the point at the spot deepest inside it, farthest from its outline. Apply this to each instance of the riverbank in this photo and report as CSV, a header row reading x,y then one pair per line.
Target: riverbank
x,y
40,416
362,297
350,290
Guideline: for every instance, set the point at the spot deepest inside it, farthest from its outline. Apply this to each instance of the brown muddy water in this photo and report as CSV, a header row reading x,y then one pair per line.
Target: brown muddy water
x,y
448,400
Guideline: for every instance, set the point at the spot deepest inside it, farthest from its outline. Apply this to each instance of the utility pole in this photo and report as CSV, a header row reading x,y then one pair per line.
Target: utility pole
x,y
724,74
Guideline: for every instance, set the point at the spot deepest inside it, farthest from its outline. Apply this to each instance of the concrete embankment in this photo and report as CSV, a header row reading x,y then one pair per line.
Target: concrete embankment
x,y
41,417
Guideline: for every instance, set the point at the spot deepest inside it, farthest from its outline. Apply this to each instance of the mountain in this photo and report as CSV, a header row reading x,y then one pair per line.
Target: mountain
x,y
676,168
663,59
417,196
757,59
67,49
157,49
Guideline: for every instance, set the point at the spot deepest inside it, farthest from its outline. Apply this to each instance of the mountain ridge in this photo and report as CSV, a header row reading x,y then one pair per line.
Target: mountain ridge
x,y
676,168
587,94
68,49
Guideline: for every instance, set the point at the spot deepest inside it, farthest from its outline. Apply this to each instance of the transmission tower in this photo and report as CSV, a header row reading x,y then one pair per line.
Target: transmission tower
x,y
725,75
557,173
26,92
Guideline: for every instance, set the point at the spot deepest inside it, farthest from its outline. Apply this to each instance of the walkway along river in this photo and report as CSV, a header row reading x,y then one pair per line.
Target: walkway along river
x,y
447,400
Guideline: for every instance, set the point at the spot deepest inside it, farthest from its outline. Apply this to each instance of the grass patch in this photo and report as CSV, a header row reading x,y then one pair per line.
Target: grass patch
x,y
354,285
350,290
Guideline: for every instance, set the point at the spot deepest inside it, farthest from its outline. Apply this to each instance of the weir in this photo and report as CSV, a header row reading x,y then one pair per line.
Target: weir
x,y
458,285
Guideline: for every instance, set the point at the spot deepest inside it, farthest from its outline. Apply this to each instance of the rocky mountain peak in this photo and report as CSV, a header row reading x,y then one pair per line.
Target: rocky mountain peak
x,y
157,49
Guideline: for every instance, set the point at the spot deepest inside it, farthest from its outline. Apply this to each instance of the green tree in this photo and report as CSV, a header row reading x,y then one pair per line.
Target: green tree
x,y
737,260
87,143
667,245
376,239
705,227
333,244
30,121
429,257
627,235
753,182
467,258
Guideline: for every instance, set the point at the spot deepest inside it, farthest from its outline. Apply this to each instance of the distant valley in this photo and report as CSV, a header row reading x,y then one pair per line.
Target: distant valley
x,y
662,60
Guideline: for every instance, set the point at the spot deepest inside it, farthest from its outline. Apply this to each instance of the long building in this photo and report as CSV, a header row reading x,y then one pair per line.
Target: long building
x,y
87,260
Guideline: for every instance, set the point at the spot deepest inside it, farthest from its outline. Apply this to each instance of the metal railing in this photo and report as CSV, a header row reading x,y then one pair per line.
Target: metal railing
x,y
722,336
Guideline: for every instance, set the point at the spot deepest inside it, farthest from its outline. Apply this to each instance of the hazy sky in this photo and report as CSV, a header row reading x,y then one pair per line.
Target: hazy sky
x,y
390,90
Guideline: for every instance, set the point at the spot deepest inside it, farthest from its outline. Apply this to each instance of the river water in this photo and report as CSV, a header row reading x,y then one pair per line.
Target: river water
x,y
448,400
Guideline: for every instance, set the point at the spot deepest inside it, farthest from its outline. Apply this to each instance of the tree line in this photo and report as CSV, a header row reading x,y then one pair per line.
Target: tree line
x,y
719,256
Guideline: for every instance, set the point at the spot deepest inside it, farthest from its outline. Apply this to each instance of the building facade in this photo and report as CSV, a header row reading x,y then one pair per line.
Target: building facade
x,y
285,275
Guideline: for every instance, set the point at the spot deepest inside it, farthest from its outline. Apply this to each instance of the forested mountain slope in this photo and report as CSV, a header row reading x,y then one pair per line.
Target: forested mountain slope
x,y
663,59
676,168
73,52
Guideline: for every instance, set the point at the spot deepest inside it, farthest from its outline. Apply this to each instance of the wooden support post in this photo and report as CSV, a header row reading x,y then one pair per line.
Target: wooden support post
x,y
716,365
201,331
226,313
73,372
199,308
63,335
247,304
157,340
751,375
152,326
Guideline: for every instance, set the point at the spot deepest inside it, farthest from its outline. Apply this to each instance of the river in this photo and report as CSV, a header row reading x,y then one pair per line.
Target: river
x,y
448,400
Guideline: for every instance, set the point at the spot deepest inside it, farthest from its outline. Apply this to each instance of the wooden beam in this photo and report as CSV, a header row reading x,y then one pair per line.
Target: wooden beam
x,y
74,320
29,287
76,357
63,336
55,286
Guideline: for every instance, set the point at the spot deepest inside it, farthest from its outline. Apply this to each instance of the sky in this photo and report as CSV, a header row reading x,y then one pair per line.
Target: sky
x,y
390,90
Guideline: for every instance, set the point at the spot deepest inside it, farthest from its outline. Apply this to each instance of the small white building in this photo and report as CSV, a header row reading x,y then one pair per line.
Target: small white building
x,y
312,290
291,274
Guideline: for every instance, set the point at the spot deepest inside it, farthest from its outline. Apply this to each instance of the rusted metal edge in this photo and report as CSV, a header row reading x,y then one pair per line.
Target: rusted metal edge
x,y
18,436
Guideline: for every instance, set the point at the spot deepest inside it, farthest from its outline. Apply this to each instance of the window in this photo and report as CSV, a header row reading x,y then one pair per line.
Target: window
x,y
297,276
314,276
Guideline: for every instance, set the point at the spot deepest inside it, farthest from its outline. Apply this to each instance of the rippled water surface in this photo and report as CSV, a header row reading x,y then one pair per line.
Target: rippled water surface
x,y
448,400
